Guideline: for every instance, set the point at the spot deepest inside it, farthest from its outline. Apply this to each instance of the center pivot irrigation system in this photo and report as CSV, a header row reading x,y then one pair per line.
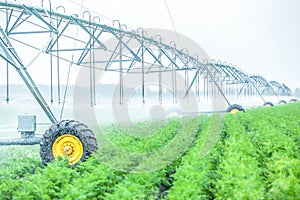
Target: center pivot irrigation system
x,y
29,34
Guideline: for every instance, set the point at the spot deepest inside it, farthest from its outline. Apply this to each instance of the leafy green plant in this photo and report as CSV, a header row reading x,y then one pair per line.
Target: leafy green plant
x,y
152,184
257,156
195,177
277,149
126,140
239,171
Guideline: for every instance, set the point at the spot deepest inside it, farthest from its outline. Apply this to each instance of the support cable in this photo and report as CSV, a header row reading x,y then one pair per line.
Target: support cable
x,y
69,70
172,21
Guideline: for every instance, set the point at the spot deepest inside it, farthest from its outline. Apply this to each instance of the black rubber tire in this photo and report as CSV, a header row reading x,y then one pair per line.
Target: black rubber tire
x,y
235,106
293,100
282,102
268,103
80,130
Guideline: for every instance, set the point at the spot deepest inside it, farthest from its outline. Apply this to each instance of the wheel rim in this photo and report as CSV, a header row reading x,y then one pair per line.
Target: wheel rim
x,y
234,111
268,105
68,146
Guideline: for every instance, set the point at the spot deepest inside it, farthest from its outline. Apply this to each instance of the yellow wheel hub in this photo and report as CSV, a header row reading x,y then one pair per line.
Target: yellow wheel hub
x,y
234,111
268,105
68,145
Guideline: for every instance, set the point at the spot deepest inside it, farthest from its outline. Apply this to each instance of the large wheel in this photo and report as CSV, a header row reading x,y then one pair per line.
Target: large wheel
x,y
268,104
281,102
235,108
293,100
68,138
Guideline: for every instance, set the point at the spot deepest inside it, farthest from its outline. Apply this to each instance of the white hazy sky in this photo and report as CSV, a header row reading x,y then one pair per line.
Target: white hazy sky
x,y
259,36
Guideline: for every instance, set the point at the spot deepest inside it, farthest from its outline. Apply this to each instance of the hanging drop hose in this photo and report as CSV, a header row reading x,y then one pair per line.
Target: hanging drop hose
x,y
58,75
7,82
121,69
51,77
143,76
90,66
94,76
58,64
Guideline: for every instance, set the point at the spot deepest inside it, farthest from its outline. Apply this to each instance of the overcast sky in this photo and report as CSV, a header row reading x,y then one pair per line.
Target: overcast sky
x,y
259,36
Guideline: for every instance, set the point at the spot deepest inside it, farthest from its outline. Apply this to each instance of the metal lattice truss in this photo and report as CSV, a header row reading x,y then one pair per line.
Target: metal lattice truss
x,y
263,85
281,89
102,47
52,28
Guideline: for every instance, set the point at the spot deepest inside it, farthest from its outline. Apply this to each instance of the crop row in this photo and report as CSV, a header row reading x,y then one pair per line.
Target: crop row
x,y
252,155
92,179
17,162
256,157
278,147
152,184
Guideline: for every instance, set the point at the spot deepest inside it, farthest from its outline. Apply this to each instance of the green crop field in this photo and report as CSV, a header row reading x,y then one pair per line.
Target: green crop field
x,y
255,155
